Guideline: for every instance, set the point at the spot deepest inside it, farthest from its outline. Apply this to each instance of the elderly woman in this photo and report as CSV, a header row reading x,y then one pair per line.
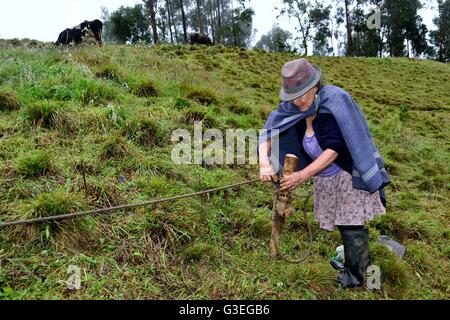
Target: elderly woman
x,y
326,129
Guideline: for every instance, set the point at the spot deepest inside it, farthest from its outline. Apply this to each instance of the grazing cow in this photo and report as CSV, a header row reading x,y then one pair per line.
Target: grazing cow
x,y
77,33
197,38
96,27
69,36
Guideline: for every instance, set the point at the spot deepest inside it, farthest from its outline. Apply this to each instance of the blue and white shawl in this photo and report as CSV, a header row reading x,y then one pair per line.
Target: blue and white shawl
x,y
368,166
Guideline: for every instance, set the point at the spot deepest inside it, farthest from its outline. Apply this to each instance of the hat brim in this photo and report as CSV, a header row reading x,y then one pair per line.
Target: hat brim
x,y
292,96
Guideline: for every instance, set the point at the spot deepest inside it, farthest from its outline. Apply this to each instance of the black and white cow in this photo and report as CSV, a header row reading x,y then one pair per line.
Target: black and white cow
x,y
76,34
69,36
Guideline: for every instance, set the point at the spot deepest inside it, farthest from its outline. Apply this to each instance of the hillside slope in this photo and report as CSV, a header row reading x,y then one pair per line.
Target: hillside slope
x,y
109,112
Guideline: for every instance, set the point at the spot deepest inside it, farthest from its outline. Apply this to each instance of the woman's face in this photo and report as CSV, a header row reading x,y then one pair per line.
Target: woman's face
x,y
306,100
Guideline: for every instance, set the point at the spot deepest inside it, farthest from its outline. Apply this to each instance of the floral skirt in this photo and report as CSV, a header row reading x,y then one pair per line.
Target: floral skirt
x,y
337,203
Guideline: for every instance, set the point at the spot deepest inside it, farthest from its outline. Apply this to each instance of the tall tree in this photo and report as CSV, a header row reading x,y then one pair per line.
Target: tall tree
x,y
183,15
172,6
199,17
403,23
130,24
219,21
339,19
151,4
169,18
107,36
348,26
211,12
320,18
299,9
440,38
366,42
276,40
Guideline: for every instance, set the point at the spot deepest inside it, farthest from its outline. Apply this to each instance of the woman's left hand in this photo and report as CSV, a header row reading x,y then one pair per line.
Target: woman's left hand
x,y
293,181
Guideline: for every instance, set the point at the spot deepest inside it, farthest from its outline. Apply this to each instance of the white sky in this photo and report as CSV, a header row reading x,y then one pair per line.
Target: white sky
x,y
44,19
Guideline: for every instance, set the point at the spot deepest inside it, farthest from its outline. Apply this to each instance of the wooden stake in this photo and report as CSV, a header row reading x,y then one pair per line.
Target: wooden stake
x,y
281,208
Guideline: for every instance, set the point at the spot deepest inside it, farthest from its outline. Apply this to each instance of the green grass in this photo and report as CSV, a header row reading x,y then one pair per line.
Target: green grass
x,y
108,113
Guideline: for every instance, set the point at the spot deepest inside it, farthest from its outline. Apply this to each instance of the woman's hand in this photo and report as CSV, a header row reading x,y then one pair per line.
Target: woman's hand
x,y
266,173
293,181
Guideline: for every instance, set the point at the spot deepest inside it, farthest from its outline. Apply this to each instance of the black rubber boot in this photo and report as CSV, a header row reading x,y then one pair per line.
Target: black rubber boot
x,y
356,250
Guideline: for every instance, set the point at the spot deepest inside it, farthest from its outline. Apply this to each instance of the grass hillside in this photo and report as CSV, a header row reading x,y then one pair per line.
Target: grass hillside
x,y
110,111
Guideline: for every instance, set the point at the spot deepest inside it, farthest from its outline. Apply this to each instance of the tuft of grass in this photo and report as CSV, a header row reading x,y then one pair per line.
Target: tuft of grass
x,y
145,131
145,88
115,147
262,226
8,100
109,72
35,164
181,103
202,95
42,112
235,105
95,91
394,271
197,113
198,251
54,203
399,229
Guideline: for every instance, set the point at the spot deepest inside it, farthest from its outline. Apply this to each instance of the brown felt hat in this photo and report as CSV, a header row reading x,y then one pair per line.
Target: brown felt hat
x,y
299,76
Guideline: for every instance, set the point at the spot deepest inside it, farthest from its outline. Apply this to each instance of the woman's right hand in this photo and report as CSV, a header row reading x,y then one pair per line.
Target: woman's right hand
x,y
266,173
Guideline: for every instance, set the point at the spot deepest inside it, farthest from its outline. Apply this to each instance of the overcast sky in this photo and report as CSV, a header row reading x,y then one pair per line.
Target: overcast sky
x,y
44,19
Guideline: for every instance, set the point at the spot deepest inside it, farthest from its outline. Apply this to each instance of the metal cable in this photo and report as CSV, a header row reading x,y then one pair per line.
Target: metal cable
x,y
131,206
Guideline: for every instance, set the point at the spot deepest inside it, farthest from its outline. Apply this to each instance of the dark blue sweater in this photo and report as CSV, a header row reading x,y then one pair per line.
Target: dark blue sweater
x,y
328,136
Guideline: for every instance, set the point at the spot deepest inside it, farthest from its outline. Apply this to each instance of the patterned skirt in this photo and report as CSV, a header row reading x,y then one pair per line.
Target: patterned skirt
x,y
337,203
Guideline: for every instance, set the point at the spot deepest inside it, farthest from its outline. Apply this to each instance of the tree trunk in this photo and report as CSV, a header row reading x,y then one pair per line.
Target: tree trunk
x,y
219,22
349,29
381,43
233,25
305,33
170,20
151,7
199,18
184,22
173,21
211,17
332,36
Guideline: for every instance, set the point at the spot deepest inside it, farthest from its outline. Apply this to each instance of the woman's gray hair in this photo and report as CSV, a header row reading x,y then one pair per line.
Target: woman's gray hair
x,y
320,84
